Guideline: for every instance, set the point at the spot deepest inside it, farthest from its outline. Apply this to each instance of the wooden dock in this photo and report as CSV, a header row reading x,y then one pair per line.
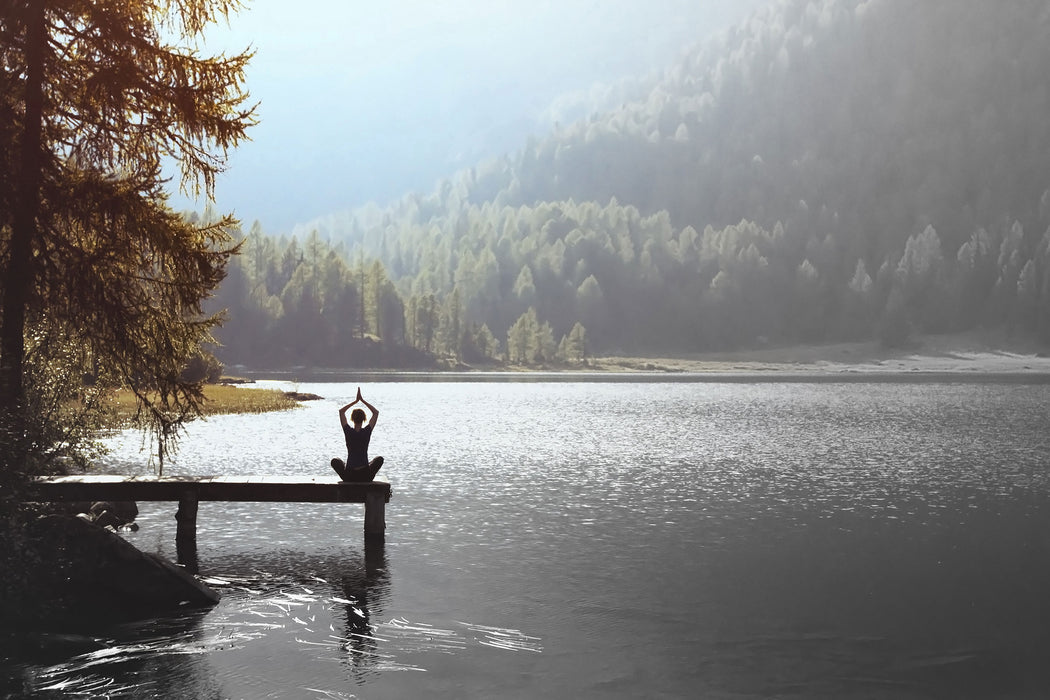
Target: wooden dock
x,y
188,491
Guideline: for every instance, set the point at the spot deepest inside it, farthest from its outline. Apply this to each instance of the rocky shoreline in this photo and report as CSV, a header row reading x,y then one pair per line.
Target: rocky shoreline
x,y
63,571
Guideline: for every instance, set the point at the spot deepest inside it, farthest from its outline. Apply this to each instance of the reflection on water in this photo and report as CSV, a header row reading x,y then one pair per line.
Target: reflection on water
x,y
329,611
159,658
364,588
616,540
322,607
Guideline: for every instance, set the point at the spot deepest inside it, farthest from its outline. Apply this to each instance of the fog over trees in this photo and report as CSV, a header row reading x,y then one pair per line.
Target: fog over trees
x,y
831,169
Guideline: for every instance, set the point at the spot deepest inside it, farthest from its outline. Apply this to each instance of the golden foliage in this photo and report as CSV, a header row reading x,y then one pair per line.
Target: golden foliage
x,y
96,94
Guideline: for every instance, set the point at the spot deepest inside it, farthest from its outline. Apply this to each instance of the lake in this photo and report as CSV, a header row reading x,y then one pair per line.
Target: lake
x,y
609,539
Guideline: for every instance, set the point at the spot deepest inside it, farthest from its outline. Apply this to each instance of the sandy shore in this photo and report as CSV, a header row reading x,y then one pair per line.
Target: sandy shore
x,y
953,354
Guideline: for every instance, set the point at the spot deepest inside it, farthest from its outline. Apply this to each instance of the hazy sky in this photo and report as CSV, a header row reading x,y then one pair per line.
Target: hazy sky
x,y
369,100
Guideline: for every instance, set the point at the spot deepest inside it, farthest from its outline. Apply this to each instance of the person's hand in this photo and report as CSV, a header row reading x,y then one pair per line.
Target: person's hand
x,y
358,393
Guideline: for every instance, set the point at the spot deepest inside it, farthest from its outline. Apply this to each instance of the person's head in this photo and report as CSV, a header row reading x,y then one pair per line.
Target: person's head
x,y
357,416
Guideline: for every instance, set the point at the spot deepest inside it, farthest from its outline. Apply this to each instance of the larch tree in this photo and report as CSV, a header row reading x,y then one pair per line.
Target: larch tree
x,y
100,278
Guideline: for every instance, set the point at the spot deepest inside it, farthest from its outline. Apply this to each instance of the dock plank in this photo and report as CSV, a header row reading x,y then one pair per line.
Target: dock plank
x,y
252,488
189,491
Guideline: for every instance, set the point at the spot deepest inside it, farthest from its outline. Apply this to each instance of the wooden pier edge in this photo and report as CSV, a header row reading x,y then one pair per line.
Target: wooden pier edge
x,y
189,491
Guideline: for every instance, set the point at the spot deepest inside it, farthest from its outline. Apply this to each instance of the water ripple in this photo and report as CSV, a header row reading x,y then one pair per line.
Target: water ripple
x,y
629,539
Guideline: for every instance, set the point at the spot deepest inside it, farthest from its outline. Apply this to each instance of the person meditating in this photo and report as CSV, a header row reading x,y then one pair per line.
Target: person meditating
x,y
357,467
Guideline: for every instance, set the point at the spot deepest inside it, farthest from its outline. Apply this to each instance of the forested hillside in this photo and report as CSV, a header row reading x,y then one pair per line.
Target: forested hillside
x,y
833,169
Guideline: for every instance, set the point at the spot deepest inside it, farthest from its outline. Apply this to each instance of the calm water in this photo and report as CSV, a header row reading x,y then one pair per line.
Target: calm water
x,y
622,540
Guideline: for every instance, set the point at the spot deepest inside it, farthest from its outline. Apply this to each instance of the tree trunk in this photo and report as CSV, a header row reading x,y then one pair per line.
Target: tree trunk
x,y
18,276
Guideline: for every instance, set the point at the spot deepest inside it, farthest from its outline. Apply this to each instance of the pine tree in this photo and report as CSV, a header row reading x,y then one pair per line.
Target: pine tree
x,y
521,338
96,96
576,343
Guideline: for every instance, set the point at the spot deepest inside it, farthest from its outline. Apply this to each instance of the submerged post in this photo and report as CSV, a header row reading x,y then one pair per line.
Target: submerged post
x,y
186,517
375,513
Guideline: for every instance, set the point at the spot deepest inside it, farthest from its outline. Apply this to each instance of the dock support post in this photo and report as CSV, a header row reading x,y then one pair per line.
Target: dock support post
x,y
186,555
375,514
186,517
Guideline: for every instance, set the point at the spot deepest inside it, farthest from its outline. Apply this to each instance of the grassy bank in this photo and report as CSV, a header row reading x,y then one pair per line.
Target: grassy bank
x,y
219,399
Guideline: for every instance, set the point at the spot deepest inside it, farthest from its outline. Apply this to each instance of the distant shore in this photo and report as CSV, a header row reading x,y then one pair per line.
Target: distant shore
x,y
971,356
957,354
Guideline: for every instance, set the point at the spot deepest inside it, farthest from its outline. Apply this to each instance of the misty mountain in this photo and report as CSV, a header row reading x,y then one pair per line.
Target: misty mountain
x,y
892,115
366,101
829,169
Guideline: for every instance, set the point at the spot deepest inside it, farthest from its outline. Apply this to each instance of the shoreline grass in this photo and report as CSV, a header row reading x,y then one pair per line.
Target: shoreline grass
x,y
219,399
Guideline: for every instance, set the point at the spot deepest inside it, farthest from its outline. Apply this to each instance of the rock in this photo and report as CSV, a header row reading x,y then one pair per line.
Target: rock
x,y
113,514
302,396
75,569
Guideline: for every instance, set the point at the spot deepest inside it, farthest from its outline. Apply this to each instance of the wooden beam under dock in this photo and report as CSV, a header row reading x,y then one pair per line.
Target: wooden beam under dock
x,y
188,491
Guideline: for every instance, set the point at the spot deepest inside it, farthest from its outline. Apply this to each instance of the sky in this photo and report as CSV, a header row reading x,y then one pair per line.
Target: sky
x,y
366,100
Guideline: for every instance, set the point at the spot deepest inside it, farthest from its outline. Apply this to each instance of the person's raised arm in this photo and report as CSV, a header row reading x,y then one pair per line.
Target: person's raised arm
x,y
344,409
370,407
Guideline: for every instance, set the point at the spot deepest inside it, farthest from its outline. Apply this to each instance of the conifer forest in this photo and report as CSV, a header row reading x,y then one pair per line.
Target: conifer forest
x,y
830,170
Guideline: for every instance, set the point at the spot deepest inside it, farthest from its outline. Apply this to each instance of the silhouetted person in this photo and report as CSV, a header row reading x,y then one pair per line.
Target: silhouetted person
x,y
357,467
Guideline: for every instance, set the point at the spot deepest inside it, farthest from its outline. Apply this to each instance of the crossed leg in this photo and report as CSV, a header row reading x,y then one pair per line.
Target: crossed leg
x,y
367,473
340,468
